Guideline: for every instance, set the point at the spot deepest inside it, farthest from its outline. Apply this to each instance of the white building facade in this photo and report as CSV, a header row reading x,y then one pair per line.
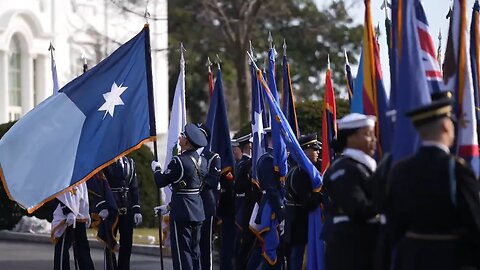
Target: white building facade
x,y
92,28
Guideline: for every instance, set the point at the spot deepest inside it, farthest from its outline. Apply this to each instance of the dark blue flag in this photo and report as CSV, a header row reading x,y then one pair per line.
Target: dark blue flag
x,y
217,122
288,99
94,119
279,150
409,88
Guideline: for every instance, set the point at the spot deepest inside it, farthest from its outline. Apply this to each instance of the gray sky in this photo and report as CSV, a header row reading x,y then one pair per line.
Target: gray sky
x,y
435,10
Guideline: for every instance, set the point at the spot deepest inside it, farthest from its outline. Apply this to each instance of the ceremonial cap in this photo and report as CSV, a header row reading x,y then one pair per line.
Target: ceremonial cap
x,y
234,143
244,139
356,120
427,113
309,141
205,130
195,135
442,95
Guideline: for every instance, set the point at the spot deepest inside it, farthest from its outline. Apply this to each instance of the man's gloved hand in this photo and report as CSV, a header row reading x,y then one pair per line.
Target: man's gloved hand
x,y
281,227
137,218
88,222
161,210
70,220
103,214
156,166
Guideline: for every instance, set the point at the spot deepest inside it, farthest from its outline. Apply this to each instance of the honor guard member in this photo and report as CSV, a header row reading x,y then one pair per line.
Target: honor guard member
x,y
271,187
300,200
226,218
236,150
347,190
433,209
244,202
70,227
122,179
184,173
209,198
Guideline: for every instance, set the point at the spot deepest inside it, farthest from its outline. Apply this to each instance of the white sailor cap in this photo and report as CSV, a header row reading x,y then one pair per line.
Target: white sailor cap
x,y
356,120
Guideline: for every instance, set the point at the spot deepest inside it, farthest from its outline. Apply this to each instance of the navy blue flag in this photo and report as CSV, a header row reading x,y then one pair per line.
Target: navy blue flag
x,y
288,99
258,121
279,151
409,86
315,246
94,119
217,122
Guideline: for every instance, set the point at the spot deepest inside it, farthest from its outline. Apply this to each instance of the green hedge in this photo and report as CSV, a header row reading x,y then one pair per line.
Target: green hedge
x,y
11,212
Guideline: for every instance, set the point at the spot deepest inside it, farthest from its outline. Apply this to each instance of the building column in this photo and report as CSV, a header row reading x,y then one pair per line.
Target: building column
x,y
3,87
43,85
27,83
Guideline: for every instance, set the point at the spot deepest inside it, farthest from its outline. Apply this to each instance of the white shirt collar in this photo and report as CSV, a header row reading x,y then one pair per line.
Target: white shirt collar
x,y
361,157
441,146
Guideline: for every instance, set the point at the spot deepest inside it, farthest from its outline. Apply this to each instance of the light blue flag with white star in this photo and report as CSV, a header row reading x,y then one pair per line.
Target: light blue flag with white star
x,y
94,119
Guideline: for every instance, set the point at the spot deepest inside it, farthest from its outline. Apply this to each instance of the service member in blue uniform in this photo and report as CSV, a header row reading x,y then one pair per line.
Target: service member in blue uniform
x,y
185,173
226,220
433,208
209,198
122,179
271,187
347,189
300,200
69,229
246,195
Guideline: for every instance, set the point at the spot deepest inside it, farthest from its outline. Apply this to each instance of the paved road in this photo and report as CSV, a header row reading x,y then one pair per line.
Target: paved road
x,y
38,256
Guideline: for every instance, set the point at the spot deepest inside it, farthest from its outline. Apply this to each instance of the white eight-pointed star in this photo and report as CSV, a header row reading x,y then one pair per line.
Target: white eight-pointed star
x,y
112,99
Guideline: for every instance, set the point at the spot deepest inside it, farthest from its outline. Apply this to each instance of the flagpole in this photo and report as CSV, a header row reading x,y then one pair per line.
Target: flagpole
x,y
85,66
153,128
210,76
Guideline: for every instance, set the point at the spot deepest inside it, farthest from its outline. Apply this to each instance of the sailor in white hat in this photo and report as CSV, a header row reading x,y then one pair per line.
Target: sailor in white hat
x,y
347,187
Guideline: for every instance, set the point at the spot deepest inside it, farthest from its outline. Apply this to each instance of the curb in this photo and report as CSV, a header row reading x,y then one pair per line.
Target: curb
x,y
150,250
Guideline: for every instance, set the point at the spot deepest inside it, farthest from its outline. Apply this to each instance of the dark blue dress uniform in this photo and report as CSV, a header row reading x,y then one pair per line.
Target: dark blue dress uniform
x,y
433,205
184,173
431,222
122,179
76,236
271,187
352,227
208,194
247,194
226,216
300,200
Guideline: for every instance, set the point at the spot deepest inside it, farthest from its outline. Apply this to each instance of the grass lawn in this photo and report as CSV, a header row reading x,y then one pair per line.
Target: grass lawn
x,y
140,235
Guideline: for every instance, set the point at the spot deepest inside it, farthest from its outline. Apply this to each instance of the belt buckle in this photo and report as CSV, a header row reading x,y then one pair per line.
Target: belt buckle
x,y
122,211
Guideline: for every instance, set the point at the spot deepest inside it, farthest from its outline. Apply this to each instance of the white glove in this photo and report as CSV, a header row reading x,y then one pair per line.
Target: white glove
x,y
281,227
70,219
162,210
88,222
156,166
103,214
137,218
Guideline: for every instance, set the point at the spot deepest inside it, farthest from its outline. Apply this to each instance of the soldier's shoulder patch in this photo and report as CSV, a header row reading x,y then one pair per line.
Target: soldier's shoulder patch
x,y
337,174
